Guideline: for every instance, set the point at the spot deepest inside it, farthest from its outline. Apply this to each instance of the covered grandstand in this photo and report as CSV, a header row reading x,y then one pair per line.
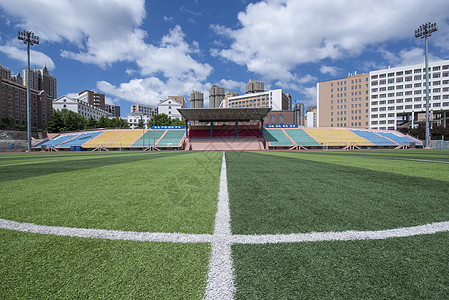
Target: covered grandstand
x,y
229,129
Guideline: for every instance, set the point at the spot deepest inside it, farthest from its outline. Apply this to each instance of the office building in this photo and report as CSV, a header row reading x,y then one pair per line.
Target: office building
x,y
276,99
81,107
144,109
344,102
398,96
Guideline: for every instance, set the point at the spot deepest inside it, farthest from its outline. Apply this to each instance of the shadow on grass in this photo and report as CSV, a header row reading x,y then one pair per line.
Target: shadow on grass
x,y
15,172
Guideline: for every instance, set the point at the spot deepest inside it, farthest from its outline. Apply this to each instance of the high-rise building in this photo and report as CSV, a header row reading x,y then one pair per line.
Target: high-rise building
x,y
398,96
14,101
276,99
299,114
196,99
114,110
146,110
93,98
41,79
310,117
216,95
344,102
5,72
254,86
17,78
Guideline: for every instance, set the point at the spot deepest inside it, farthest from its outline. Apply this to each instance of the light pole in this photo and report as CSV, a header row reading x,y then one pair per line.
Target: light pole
x,y
30,39
424,31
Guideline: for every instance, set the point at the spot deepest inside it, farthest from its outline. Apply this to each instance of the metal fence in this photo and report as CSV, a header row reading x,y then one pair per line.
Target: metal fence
x,y
439,144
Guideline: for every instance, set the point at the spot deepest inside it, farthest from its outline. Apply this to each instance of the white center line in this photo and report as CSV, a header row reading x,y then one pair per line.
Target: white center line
x,y
220,278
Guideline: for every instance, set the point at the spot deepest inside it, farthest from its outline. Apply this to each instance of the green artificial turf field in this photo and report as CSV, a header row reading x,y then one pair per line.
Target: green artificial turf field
x,y
270,192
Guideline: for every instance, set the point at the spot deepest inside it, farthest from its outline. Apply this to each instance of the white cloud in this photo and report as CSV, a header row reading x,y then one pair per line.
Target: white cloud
x,y
329,70
152,89
106,32
278,35
168,19
406,57
233,85
17,50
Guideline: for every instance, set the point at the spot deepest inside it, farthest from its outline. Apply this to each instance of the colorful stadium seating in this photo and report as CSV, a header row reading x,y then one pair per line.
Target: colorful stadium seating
x,y
58,140
324,137
103,139
81,139
277,137
128,137
373,137
149,138
349,137
301,137
172,138
398,138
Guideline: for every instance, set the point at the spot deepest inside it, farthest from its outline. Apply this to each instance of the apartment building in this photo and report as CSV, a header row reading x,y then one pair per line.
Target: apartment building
x,y
13,104
310,117
41,79
344,102
398,96
144,109
81,107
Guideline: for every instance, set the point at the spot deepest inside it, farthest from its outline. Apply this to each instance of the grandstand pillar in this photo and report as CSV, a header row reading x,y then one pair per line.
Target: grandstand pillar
x,y
187,133
237,128
211,129
261,130
413,119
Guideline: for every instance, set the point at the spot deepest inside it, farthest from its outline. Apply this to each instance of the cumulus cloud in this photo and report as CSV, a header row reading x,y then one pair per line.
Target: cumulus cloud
x,y
329,70
17,50
275,36
233,85
106,32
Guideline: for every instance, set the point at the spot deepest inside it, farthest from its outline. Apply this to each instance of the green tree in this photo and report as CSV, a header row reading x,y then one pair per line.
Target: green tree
x,y
177,122
55,124
159,120
91,123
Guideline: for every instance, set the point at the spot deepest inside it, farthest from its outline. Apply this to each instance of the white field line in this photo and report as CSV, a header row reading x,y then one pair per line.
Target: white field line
x,y
107,234
349,235
28,163
220,278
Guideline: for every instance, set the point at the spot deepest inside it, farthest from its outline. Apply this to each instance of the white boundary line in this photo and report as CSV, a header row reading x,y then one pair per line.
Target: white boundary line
x,y
29,163
349,235
220,278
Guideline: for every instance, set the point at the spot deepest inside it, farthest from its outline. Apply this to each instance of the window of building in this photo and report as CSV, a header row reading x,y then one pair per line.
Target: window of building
x,y
408,72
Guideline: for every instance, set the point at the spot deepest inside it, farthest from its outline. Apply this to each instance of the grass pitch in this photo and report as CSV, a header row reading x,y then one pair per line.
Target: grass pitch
x,y
269,192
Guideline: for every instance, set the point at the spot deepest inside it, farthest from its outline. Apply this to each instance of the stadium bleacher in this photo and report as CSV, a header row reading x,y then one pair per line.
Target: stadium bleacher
x,y
172,138
128,137
104,138
301,137
58,140
277,137
80,139
373,137
324,137
398,138
349,137
149,138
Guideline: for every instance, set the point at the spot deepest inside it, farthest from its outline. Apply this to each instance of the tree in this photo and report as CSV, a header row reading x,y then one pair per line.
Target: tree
x,y
177,122
159,120
55,124
91,123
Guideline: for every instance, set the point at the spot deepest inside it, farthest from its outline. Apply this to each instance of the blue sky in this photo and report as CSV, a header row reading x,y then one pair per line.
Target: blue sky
x,y
137,51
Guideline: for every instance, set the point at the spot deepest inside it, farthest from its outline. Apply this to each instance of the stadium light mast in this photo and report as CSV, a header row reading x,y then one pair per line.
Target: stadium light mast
x,y
424,31
30,39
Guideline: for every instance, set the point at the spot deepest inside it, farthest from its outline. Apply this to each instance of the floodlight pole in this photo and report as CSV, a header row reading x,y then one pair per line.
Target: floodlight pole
x,y
424,31
30,39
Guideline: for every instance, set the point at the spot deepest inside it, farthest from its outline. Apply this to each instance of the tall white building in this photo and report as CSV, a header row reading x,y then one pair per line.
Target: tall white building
x,y
398,95
41,79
